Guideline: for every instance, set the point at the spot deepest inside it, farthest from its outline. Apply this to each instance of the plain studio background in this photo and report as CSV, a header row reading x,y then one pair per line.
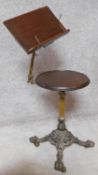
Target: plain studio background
x,y
27,110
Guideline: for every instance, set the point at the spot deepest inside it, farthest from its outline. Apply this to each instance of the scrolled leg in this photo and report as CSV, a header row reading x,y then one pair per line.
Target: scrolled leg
x,y
86,144
36,141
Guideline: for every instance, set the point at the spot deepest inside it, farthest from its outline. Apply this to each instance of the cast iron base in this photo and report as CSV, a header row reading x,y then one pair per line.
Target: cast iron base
x,y
61,138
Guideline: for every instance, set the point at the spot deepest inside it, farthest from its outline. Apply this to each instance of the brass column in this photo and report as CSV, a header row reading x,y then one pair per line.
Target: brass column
x,y
62,105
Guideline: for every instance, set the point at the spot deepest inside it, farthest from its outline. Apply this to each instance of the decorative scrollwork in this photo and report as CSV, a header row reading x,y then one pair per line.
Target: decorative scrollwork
x,y
61,138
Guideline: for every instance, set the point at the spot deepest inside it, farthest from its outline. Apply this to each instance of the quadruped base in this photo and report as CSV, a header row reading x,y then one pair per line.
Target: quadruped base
x,y
61,138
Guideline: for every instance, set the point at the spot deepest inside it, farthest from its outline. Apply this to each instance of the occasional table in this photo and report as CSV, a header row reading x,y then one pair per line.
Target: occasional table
x,y
34,30
62,82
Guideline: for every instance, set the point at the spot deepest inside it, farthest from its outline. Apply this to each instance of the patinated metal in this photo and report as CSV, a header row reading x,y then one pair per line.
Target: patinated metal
x,y
61,138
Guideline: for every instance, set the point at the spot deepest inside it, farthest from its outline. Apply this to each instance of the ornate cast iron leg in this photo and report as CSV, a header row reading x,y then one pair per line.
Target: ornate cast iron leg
x,y
59,163
61,137
36,141
30,75
86,144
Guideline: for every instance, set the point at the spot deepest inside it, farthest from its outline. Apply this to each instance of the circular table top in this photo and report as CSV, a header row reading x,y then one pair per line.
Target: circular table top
x,y
62,80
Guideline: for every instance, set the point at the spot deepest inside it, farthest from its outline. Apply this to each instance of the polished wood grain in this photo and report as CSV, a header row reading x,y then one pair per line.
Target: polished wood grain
x,y
62,80
36,28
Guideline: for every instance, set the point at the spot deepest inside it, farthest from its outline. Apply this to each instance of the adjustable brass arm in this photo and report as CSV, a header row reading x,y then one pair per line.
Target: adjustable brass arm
x,y
30,75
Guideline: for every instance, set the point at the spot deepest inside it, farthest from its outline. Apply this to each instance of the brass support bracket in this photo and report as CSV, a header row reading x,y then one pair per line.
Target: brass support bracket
x,y
30,75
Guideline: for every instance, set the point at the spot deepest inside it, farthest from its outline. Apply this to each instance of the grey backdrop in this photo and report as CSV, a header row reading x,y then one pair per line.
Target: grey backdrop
x,y
26,110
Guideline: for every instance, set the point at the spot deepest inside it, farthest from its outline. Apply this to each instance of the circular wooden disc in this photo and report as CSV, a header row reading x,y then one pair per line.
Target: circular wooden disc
x,y
62,80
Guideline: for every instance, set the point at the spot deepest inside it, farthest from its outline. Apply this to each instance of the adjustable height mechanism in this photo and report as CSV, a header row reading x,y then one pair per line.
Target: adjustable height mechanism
x,y
61,124
62,105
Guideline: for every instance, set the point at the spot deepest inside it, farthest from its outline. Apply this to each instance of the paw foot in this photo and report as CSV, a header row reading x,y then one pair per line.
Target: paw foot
x,y
89,143
35,140
60,166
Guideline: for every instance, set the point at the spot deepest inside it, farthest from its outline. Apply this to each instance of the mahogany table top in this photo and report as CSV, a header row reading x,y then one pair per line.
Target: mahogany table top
x,y
62,80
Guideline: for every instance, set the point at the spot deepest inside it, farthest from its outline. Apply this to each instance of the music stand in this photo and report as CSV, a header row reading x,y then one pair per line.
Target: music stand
x,y
34,30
